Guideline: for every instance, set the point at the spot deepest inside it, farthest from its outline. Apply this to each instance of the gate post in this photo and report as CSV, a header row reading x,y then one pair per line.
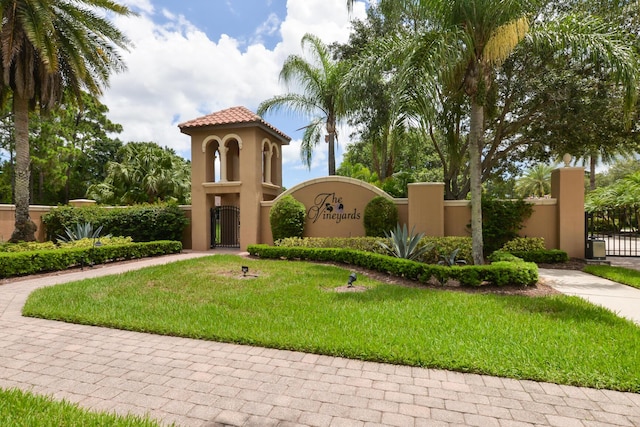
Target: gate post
x,y
567,187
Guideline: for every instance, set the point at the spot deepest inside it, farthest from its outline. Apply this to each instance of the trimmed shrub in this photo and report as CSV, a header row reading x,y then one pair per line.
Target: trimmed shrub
x,y
439,246
31,262
501,221
26,246
380,216
443,246
500,273
287,218
546,256
501,255
524,244
368,244
104,241
143,223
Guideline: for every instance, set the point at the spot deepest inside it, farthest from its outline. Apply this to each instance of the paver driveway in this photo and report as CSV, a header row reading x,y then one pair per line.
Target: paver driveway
x,y
200,383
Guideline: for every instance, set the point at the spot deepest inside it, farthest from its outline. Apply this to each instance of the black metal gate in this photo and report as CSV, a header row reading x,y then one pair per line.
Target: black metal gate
x,y
225,227
618,228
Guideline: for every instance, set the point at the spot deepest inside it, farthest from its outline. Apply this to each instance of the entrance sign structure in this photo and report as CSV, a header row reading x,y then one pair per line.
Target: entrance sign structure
x,y
249,154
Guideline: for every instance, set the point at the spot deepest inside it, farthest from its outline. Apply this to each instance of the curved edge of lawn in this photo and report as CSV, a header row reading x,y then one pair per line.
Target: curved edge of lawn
x,y
559,339
21,408
625,276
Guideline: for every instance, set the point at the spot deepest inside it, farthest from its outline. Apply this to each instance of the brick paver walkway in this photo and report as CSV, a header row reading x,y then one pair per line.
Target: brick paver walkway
x,y
200,383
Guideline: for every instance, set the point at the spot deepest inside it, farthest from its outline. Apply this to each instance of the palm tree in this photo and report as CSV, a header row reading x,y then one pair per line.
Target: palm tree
x,y
146,173
464,42
605,153
536,181
321,97
47,46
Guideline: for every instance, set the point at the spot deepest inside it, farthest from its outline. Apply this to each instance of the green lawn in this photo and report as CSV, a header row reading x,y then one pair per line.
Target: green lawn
x,y
291,305
622,275
21,409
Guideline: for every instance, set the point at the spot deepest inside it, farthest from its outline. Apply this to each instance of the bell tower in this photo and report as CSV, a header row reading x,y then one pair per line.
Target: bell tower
x,y
236,163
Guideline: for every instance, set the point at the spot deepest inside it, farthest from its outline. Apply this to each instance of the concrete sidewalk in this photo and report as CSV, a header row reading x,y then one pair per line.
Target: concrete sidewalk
x,y
622,300
203,383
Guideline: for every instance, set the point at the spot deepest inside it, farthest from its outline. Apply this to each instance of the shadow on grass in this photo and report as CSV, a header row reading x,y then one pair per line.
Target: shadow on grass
x,y
557,307
561,307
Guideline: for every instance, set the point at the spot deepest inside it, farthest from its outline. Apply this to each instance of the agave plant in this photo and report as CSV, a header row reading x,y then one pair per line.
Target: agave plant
x,y
81,231
451,259
405,244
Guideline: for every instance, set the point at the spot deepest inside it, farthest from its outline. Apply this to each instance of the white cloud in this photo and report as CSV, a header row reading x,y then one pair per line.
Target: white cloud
x,y
142,5
291,157
176,73
268,27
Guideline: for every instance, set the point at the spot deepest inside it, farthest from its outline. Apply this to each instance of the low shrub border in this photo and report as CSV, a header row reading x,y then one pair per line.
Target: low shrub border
x,y
440,245
31,262
543,256
499,273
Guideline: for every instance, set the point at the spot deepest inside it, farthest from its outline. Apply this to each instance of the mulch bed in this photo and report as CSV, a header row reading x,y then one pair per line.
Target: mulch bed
x,y
537,290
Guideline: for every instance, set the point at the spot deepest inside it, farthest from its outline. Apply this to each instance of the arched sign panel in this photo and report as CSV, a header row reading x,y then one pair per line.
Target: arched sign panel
x,y
334,205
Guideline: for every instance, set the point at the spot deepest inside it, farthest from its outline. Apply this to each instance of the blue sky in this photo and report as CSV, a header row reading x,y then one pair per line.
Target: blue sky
x,y
194,57
246,20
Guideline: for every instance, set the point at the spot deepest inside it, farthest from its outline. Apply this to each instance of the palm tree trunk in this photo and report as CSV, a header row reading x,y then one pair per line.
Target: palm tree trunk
x,y
475,172
332,153
24,228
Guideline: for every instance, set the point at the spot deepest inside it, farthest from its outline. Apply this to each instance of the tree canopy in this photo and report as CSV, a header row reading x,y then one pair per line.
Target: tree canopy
x,y
458,49
48,47
144,173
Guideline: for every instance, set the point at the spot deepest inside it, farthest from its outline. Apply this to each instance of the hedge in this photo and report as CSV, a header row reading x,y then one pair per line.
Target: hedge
x,y
143,223
544,256
500,273
32,262
440,246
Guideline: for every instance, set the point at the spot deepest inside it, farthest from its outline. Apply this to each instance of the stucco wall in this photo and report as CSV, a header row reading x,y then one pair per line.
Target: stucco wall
x,y
335,207
454,215
8,219
457,214
544,223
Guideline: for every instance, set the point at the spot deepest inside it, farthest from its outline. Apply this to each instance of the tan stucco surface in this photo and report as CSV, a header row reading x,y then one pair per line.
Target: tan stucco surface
x,y
335,205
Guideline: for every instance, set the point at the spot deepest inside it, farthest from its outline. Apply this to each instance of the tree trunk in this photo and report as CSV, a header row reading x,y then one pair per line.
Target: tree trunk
x,y
592,172
475,171
331,130
40,187
24,228
332,153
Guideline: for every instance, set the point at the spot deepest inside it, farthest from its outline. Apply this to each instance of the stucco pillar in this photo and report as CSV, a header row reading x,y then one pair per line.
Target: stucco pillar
x,y
567,187
267,167
223,162
426,208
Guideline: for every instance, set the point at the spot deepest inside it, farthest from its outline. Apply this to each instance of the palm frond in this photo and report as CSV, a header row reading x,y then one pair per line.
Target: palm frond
x,y
592,40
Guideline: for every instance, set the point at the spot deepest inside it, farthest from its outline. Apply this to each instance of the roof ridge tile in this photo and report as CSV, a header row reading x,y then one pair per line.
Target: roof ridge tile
x,y
233,115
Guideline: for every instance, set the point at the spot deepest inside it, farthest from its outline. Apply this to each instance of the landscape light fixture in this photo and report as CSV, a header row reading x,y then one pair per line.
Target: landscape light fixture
x,y
245,270
352,278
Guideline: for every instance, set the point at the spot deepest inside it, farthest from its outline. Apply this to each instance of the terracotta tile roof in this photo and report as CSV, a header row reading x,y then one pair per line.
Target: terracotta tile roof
x,y
231,116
